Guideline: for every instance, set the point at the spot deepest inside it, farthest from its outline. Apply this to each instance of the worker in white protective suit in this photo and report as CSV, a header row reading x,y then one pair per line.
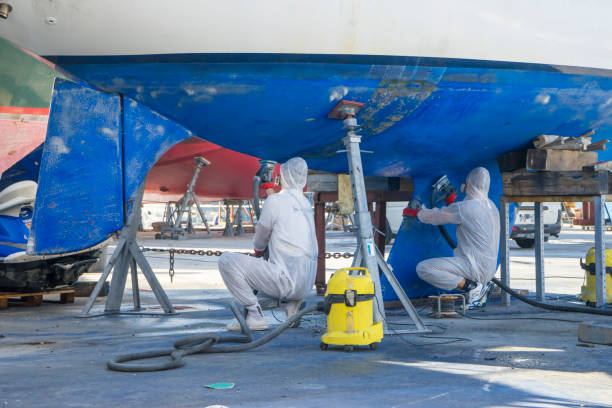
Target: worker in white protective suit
x,y
475,259
286,228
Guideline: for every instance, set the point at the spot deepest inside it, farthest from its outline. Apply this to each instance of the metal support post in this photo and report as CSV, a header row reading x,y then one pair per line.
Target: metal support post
x,y
366,253
600,251
539,252
127,256
186,202
504,250
228,231
364,233
238,220
135,289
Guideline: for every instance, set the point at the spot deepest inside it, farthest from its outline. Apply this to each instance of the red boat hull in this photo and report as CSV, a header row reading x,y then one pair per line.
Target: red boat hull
x,y
229,176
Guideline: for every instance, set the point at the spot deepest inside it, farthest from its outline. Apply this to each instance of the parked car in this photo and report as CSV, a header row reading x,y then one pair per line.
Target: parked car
x,y
523,231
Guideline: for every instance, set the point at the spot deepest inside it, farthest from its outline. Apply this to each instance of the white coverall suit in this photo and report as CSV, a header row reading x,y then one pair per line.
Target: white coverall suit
x,y
286,227
477,219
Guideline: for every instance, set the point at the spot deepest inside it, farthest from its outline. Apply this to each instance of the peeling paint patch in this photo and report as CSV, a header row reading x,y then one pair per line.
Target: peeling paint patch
x,y
472,77
397,169
542,99
337,93
57,146
392,101
110,133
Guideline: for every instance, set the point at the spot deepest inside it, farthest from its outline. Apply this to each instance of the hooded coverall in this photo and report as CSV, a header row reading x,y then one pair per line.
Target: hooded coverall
x,y
286,227
477,219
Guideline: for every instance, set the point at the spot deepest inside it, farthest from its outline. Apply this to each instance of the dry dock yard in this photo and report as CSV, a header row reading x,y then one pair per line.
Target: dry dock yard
x,y
516,356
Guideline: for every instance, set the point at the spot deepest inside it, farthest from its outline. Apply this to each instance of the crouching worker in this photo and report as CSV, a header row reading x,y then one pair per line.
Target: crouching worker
x,y
475,259
286,228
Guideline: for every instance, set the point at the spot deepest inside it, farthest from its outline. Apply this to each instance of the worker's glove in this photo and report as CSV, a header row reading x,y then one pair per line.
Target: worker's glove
x,y
410,212
268,185
258,254
451,198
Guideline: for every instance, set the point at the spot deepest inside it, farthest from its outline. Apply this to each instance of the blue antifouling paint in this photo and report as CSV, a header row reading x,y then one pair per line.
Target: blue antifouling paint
x,y
14,233
79,201
147,136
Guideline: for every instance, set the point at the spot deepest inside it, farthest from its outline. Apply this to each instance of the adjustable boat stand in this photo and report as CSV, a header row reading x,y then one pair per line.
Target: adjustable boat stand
x,y
367,254
174,231
127,256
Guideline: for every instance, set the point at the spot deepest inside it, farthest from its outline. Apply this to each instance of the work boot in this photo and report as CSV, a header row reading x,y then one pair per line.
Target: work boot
x,y
291,308
255,320
478,296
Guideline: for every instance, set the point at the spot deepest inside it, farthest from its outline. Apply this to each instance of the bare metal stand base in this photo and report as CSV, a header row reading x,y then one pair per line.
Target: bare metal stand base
x,y
190,198
128,257
367,253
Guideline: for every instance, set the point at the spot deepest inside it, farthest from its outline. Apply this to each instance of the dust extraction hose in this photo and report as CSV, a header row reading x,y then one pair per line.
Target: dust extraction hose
x,y
204,344
505,288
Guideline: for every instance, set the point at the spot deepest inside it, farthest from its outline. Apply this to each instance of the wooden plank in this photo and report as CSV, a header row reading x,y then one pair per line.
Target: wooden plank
x,y
380,223
3,303
512,161
332,196
7,295
559,160
599,166
559,183
328,182
35,300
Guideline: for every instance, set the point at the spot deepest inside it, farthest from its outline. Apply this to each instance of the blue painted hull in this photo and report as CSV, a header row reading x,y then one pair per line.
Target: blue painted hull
x,y
420,120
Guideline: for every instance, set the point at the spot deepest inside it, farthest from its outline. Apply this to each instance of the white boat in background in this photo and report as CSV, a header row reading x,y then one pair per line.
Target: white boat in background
x,y
551,32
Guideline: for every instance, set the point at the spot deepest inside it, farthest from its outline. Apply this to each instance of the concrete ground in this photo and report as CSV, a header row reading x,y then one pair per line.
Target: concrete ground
x,y
500,357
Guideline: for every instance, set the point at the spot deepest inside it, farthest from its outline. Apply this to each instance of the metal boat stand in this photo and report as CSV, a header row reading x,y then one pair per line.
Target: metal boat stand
x,y
373,259
229,230
190,198
128,257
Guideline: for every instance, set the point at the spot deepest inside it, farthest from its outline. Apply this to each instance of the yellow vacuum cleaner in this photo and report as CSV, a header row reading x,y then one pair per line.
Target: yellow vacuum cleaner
x,y
589,292
349,309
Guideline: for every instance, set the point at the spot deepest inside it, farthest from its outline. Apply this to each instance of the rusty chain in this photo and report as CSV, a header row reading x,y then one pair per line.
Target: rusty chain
x,y
208,252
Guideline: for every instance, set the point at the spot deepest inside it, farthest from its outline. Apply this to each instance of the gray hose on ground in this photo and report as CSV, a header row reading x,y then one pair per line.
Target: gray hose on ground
x,y
203,344
535,303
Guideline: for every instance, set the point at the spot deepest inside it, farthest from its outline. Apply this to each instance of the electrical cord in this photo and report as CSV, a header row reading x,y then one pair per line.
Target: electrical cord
x,y
523,318
424,336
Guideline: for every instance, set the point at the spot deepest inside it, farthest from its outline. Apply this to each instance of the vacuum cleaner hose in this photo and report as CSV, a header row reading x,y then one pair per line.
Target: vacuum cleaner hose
x,y
204,344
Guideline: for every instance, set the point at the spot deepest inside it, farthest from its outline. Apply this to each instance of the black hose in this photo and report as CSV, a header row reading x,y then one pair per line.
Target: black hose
x,y
203,344
443,231
505,288
558,308
256,206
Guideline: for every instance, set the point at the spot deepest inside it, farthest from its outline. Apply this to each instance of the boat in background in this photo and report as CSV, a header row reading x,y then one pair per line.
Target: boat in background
x,y
228,177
